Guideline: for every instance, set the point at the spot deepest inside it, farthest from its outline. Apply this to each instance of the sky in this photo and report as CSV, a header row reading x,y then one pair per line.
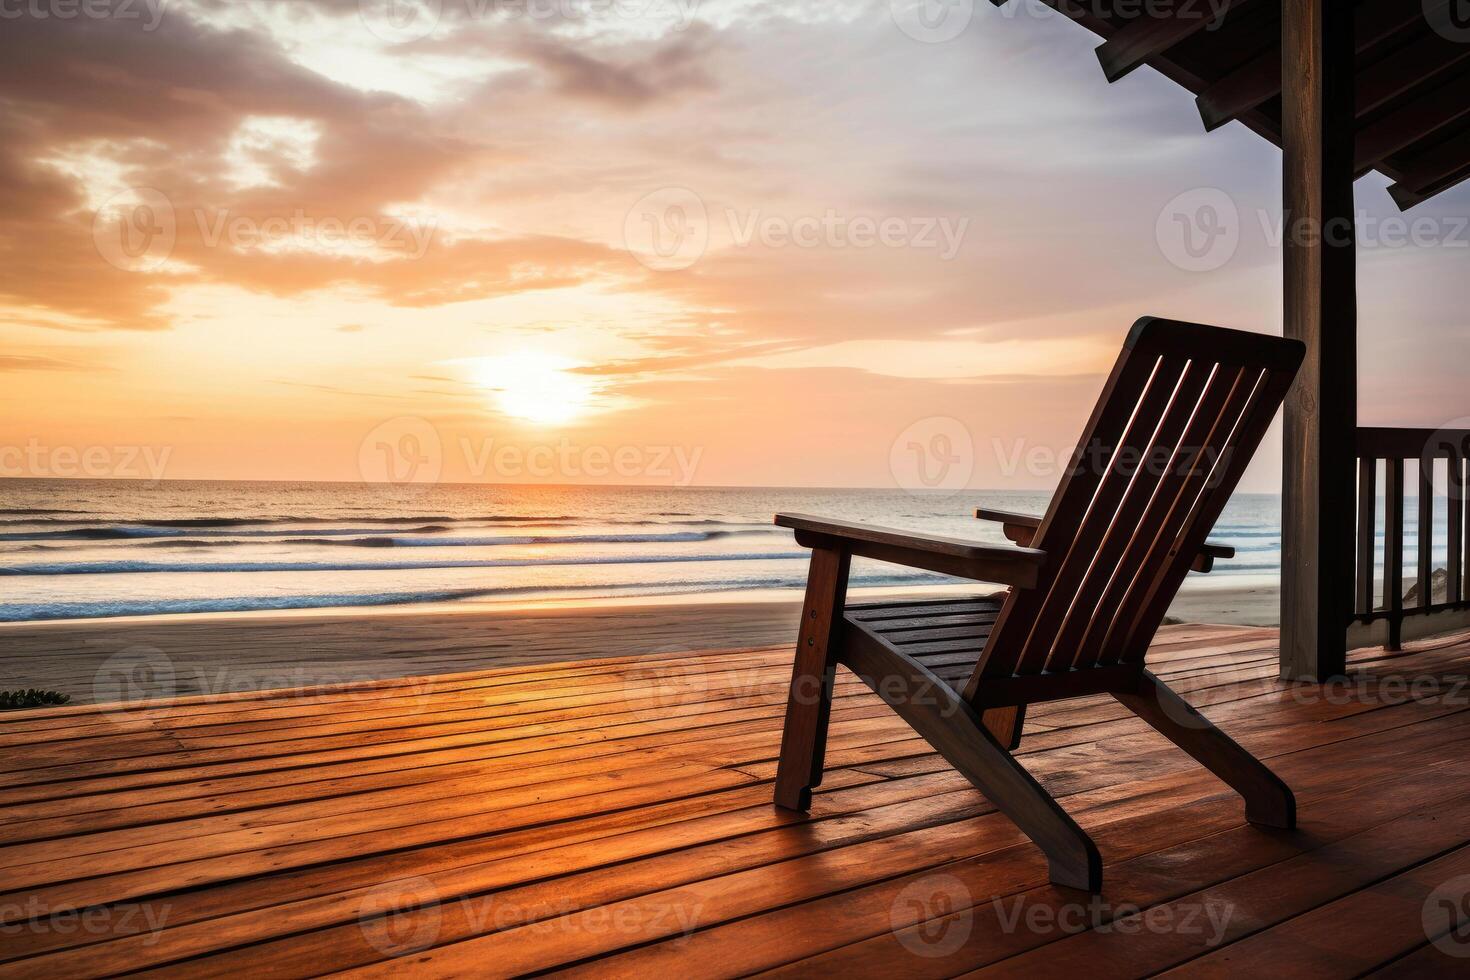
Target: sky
x,y
721,242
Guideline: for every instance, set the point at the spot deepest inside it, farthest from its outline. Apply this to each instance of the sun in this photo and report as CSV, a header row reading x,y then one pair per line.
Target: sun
x,y
535,386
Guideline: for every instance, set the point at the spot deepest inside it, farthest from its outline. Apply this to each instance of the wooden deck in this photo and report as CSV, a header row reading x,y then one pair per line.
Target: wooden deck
x,y
613,817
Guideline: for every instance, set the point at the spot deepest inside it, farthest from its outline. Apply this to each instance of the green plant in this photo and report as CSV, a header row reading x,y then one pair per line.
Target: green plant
x,y
32,698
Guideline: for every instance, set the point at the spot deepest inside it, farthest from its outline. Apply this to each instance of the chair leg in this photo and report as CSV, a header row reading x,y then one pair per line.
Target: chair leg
x,y
809,701
1072,858
949,724
1268,800
1005,725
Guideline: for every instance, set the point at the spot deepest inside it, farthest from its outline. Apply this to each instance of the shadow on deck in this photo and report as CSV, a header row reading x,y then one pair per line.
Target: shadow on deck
x,y
614,817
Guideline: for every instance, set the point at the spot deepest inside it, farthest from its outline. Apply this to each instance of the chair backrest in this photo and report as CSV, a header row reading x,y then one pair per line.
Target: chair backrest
x,y
1179,419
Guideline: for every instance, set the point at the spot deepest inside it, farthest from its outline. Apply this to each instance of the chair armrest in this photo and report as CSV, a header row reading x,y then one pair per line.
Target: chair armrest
x,y
1021,528
1208,553
1019,567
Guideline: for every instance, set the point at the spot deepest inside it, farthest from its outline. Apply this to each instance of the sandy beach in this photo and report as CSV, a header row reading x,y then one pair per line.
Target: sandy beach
x,y
165,656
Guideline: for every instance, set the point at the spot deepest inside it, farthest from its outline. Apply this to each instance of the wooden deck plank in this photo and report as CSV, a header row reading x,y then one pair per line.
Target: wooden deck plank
x,y
611,817
1000,927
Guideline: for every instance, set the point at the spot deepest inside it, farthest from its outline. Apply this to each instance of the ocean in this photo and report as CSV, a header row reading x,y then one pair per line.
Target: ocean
x,y
91,548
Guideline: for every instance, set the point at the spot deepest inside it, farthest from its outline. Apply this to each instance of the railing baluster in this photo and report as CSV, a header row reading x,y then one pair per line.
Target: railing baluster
x,y
1455,475
1367,517
1393,548
1426,531
1431,612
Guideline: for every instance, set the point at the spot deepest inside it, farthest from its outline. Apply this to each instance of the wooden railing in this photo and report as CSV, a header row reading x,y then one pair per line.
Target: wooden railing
x,y
1385,622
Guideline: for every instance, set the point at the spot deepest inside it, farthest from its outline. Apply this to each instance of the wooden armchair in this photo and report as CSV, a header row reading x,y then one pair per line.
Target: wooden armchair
x,y
1179,418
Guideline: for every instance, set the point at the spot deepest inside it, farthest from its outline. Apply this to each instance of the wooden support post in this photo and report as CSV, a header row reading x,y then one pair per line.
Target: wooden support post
x,y
1321,311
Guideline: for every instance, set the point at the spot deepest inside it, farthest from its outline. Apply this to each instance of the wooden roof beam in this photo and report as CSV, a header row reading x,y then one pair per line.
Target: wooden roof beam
x,y
1074,10
1148,36
1084,13
1407,199
1407,69
1259,80
1413,123
1255,82
1433,171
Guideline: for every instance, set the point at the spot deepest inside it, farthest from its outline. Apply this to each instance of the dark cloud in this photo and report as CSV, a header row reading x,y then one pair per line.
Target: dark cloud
x,y
163,105
643,75
160,103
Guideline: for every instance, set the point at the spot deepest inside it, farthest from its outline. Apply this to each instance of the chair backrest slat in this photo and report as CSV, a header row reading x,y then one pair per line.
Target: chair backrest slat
x,y
1270,390
1105,576
1149,527
1101,511
1179,418
1192,478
